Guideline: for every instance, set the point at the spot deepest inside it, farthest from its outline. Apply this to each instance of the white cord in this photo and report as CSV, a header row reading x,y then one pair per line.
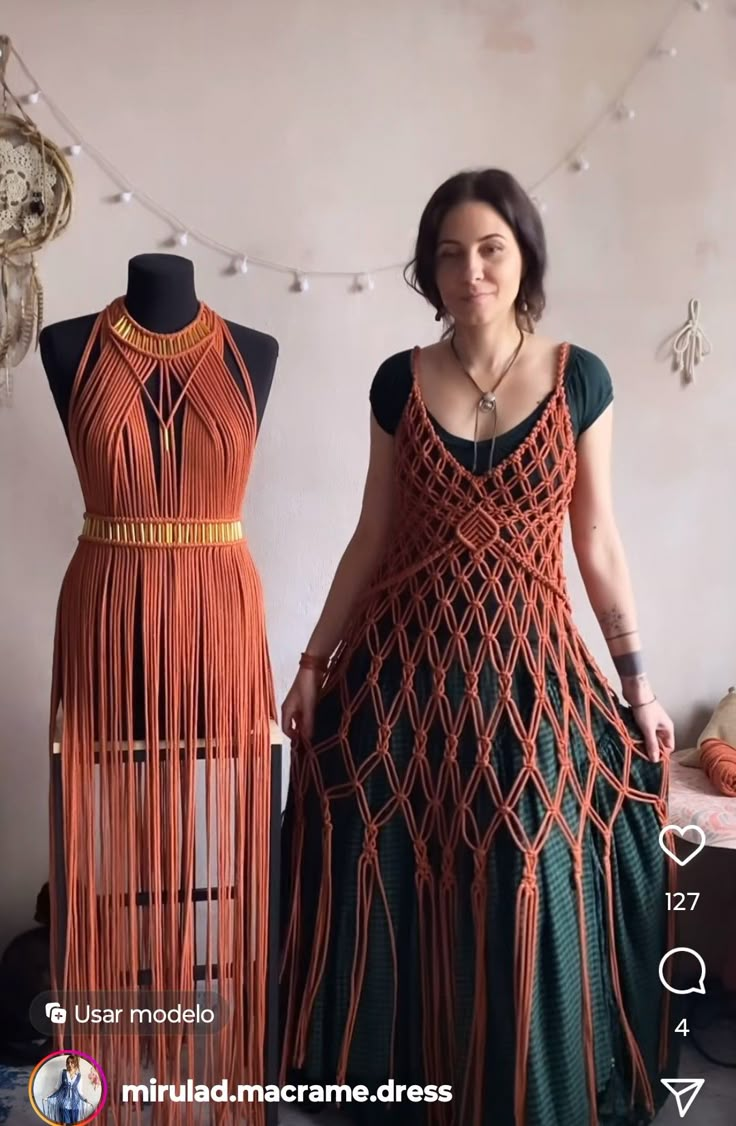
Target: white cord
x,y
691,344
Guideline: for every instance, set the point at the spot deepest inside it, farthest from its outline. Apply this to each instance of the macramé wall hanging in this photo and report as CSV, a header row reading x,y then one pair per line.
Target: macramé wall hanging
x,y
36,189
690,344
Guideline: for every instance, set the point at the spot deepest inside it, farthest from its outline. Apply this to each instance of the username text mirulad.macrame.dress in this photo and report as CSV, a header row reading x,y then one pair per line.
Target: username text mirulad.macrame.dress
x,y
474,893
160,656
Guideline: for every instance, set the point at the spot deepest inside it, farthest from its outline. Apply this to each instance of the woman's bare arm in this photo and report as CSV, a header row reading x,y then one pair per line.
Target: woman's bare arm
x,y
365,547
602,559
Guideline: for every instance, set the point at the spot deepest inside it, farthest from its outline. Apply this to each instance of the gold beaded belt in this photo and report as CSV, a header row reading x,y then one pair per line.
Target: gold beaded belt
x,y
161,533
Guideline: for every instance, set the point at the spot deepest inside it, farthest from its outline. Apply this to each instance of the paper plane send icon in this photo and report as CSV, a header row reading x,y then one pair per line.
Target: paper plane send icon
x,y
685,1091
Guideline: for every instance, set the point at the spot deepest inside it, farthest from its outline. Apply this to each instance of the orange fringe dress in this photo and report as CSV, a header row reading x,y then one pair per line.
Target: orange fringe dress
x,y
162,674
474,894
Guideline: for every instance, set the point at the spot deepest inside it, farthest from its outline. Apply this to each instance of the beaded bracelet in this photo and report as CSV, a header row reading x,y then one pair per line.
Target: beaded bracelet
x,y
313,661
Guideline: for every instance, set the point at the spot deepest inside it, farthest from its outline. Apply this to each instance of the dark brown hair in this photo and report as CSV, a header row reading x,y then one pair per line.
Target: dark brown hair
x,y
505,195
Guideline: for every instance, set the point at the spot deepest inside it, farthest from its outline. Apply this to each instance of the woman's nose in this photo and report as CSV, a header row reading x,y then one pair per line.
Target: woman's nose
x,y
473,270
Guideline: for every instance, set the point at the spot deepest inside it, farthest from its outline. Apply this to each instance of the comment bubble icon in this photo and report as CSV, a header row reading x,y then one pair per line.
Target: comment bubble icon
x,y
700,987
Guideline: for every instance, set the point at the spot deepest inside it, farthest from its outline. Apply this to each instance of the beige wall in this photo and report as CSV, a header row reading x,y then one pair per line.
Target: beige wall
x,y
312,134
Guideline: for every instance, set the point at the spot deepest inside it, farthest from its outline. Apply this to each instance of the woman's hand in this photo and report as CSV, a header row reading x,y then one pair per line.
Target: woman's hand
x,y
297,710
657,729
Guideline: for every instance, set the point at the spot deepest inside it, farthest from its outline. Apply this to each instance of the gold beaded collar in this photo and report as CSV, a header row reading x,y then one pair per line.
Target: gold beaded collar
x,y
160,345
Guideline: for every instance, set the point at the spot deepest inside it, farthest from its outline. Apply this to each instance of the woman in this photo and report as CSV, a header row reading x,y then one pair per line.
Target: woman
x,y
474,889
67,1104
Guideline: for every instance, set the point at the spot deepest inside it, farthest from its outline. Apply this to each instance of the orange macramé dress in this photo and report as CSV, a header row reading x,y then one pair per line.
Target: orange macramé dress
x,y
162,673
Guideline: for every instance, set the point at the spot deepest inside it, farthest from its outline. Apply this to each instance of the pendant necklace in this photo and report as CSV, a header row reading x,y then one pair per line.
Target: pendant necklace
x,y
487,401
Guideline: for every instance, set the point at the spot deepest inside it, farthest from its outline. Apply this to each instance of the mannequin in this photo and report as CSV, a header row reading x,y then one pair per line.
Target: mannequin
x,y
161,297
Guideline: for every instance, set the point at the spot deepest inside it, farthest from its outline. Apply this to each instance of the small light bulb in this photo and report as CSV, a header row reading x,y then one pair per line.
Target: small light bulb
x,y
625,113
581,164
73,150
241,265
33,97
182,238
667,52
363,283
540,205
125,197
701,5
301,284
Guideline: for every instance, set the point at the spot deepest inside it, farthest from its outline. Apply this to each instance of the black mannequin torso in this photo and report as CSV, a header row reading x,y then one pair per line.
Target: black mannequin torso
x,y
160,297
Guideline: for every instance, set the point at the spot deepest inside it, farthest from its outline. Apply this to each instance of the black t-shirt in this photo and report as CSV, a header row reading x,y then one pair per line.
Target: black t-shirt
x,y
588,388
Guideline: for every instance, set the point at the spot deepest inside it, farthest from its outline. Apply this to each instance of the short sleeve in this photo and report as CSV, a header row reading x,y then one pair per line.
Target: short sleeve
x,y
590,389
390,390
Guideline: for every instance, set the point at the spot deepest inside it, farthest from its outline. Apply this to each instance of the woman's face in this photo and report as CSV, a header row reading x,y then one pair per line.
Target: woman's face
x,y
478,264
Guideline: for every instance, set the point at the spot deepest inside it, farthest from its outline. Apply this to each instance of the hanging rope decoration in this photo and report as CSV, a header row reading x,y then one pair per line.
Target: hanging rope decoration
x,y
36,192
690,345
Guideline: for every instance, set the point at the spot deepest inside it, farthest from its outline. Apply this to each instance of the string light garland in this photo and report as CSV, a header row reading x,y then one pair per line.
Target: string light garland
x,y
360,281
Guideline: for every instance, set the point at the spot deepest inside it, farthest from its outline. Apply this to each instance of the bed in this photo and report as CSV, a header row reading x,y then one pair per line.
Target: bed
x,y
693,801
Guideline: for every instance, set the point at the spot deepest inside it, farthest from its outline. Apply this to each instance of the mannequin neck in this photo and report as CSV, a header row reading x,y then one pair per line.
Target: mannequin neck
x,y
161,295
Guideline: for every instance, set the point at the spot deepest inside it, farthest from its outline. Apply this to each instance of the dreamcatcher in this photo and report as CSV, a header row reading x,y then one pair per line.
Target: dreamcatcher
x,y
35,207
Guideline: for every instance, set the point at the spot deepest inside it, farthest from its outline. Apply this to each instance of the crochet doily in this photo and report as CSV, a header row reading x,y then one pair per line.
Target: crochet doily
x,y
27,184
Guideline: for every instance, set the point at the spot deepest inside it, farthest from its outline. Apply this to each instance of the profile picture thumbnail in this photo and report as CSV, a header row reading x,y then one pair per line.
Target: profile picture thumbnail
x,y
67,1087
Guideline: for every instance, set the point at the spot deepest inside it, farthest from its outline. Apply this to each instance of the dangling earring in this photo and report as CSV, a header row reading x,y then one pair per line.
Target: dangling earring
x,y
524,319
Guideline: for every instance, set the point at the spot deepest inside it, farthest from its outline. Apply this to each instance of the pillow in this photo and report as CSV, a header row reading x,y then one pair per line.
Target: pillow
x,y
721,726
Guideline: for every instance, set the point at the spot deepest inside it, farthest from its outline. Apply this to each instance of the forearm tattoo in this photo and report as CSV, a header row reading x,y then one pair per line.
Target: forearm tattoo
x,y
629,664
612,624
611,620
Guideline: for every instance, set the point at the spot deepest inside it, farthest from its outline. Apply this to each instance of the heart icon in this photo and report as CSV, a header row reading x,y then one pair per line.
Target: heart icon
x,y
681,832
